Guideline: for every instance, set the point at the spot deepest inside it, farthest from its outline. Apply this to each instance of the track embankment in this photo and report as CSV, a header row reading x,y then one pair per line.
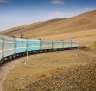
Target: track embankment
x,y
56,71
5,70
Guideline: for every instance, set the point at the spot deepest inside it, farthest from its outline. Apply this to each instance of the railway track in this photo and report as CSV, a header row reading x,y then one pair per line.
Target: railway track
x,y
11,48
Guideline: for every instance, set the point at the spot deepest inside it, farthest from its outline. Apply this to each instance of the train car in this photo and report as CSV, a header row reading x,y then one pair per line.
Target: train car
x,y
1,51
67,44
7,45
33,44
74,44
10,46
20,45
46,44
57,44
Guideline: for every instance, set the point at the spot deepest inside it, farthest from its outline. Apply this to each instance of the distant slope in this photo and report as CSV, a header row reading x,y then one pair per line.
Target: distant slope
x,y
81,28
16,30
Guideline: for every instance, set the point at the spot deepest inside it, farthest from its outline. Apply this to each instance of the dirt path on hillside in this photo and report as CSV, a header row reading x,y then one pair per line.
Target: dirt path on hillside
x,y
5,69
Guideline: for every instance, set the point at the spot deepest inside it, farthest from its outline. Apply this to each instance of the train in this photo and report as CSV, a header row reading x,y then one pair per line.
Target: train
x,y
11,47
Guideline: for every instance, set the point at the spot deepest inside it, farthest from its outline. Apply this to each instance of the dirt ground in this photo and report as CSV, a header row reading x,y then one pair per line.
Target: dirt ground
x,y
38,73
5,69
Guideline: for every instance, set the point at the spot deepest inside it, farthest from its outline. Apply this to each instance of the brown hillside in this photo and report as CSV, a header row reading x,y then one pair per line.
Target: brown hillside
x,y
16,30
81,28
73,70
82,78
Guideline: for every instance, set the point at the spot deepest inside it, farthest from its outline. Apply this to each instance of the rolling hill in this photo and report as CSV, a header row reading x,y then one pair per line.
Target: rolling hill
x,y
56,71
81,28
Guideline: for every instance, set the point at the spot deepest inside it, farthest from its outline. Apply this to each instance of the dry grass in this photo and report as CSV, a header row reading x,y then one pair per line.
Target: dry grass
x,y
43,66
81,78
81,28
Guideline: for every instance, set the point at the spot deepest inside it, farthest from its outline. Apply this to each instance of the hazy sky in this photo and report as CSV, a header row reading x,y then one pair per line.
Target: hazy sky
x,y
18,12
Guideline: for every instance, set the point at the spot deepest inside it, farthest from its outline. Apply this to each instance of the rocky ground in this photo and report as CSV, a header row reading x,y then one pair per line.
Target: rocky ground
x,y
73,70
81,78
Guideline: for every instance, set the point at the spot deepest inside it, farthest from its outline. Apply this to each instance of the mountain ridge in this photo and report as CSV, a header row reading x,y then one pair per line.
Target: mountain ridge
x,y
60,29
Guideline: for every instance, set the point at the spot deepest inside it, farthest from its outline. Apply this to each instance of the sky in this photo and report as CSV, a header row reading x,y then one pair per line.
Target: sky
x,y
20,12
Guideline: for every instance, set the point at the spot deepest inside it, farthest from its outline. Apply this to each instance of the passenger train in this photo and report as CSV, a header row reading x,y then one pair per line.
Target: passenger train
x,y
11,47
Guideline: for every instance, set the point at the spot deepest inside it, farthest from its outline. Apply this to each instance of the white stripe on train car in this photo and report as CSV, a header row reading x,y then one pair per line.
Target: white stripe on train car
x,y
6,50
34,46
33,40
17,40
21,47
9,42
